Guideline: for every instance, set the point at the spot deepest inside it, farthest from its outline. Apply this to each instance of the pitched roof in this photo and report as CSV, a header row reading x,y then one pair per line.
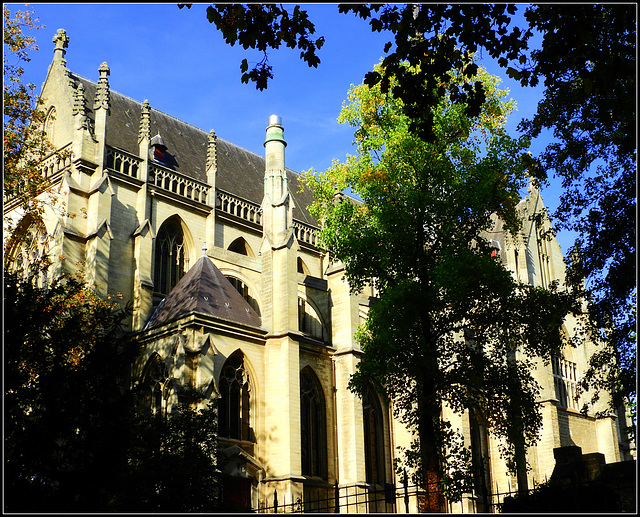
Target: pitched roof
x,y
240,172
205,290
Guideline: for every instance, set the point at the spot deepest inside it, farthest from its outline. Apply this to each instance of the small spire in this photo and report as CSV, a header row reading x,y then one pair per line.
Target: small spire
x,y
62,41
145,126
80,107
204,249
102,92
212,157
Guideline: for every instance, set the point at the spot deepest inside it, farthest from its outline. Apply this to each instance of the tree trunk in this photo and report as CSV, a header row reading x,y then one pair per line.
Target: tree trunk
x,y
429,407
516,433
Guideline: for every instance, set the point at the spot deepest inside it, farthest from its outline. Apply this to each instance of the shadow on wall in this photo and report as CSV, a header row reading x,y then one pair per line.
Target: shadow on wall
x,y
564,429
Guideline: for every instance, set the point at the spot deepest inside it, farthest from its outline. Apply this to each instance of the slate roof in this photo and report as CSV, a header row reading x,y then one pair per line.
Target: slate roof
x,y
240,172
205,290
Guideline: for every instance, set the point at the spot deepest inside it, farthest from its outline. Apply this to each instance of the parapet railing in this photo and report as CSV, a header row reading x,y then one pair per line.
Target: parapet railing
x,y
56,162
178,184
122,162
305,233
242,208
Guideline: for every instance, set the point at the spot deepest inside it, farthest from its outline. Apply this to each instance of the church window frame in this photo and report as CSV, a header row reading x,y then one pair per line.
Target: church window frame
x,y
480,461
313,426
245,291
309,320
156,386
30,246
374,438
565,380
50,125
170,258
235,404
242,247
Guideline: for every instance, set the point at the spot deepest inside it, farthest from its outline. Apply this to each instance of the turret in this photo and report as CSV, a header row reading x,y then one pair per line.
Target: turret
x,y
62,42
277,205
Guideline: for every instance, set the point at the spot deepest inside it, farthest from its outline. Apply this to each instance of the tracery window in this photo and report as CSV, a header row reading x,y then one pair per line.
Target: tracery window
x,y
170,261
235,400
313,426
373,438
565,378
155,385
31,244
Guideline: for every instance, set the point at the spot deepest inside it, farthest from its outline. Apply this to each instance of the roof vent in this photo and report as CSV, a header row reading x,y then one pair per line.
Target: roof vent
x,y
158,142
158,147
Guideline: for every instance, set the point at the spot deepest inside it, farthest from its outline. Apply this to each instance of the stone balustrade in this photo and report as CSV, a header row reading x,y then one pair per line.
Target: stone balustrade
x,y
122,162
305,233
57,162
178,184
239,207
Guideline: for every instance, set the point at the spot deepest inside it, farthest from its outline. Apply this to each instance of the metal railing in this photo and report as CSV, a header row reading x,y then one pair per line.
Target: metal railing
x,y
578,496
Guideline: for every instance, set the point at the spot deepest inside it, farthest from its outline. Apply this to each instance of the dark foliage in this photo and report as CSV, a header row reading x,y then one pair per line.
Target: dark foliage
x,y
75,440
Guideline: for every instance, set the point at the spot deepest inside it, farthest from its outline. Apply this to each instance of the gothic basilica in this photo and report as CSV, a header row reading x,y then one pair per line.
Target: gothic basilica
x,y
216,250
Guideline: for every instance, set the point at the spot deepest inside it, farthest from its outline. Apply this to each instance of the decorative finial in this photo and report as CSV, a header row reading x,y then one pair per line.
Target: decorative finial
x,y
204,249
80,107
102,92
62,41
145,126
212,158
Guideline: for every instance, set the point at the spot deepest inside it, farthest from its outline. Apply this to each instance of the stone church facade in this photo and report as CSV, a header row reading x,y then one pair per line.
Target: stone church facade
x,y
216,250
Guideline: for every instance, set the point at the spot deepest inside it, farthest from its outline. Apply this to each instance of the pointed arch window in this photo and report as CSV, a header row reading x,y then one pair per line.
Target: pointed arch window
x,y
155,385
313,426
308,319
480,461
50,125
30,245
241,246
373,438
235,401
302,267
170,260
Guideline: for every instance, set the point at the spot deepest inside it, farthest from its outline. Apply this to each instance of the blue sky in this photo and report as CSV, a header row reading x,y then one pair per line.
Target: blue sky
x,y
178,61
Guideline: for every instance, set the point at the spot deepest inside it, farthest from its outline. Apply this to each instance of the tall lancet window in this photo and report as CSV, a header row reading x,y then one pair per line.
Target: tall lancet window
x,y
170,256
25,250
373,438
155,386
235,400
480,461
313,426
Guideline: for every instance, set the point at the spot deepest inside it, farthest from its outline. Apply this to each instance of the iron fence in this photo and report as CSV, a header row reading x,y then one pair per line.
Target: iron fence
x,y
367,498
389,498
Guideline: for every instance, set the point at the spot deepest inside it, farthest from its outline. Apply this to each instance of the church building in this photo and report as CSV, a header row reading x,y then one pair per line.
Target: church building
x,y
232,296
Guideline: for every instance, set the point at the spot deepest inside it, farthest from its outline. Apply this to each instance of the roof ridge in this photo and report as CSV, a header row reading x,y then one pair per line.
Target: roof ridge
x,y
181,121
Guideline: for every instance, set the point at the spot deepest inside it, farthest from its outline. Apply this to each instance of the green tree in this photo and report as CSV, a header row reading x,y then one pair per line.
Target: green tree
x,y
172,462
587,63
450,325
76,438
